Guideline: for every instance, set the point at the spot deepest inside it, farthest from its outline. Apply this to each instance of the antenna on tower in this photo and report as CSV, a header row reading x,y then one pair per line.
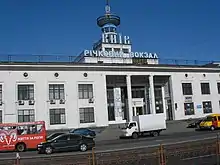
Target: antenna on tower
x,y
107,8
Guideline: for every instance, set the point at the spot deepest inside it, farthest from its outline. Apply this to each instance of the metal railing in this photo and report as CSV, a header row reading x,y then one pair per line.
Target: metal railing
x,y
71,59
206,152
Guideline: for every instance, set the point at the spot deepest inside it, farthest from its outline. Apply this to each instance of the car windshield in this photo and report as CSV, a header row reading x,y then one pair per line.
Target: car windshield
x,y
53,136
208,118
124,126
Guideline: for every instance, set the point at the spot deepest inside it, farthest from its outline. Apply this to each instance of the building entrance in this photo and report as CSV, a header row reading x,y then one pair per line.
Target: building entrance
x,y
138,106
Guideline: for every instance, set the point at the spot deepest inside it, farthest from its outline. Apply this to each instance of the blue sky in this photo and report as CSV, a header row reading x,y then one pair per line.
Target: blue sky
x,y
186,29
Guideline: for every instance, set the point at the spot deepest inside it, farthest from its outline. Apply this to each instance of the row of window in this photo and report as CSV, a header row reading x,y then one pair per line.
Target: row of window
x,y
205,88
206,107
117,50
56,91
57,116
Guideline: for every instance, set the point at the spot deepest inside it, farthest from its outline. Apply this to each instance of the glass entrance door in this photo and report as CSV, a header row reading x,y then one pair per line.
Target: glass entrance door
x,y
137,111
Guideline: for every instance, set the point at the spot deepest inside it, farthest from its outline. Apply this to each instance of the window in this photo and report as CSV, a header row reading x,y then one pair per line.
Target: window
x,y
187,88
0,92
189,108
132,125
205,89
29,129
125,50
26,115
63,138
86,115
85,91
75,137
117,49
56,91
108,49
207,106
158,99
57,116
26,92
218,85
0,116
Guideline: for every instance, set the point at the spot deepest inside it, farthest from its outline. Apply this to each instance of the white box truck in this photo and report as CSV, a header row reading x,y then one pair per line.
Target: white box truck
x,y
150,123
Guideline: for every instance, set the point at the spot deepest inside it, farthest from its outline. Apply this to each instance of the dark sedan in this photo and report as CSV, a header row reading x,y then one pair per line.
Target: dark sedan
x,y
66,142
84,131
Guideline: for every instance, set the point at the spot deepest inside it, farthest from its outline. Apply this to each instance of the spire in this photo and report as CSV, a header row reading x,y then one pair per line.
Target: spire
x,y
107,8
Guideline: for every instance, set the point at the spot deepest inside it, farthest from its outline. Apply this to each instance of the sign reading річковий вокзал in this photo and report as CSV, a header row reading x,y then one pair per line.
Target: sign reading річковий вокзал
x,y
113,54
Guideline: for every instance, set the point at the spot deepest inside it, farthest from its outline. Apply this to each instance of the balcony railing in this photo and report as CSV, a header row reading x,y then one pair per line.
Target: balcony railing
x,y
73,59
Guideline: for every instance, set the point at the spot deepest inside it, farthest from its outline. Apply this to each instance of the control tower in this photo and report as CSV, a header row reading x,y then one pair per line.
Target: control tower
x,y
113,47
111,40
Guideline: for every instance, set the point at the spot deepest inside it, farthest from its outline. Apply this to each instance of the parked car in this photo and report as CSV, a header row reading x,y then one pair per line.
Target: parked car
x,y
195,124
84,131
53,135
66,142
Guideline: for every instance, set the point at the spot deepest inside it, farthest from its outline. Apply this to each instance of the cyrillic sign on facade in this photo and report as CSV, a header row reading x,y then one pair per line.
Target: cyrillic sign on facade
x,y
112,54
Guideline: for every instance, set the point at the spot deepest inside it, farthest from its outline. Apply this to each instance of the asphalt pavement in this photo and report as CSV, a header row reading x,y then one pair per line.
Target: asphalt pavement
x,y
129,144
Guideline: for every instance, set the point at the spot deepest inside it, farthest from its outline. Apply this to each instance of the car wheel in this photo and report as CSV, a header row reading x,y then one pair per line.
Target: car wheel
x,y
20,147
48,150
83,147
135,135
155,133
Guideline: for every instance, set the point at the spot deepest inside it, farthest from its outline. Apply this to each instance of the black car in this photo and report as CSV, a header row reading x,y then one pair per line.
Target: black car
x,y
66,142
195,124
53,135
84,131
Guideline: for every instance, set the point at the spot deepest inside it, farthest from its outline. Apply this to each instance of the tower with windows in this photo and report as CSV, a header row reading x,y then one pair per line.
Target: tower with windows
x,y
111,42
113,47
111,39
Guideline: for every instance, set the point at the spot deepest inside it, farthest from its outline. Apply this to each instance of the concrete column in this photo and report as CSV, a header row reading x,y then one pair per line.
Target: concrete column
x,y
117,104
130,111
152,97
164,102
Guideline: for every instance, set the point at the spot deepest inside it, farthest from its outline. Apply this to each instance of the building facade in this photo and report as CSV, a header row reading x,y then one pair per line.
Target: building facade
x,y
106,85
88,95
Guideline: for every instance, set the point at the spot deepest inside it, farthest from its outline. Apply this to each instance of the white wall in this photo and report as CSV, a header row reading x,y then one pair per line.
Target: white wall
x,y
197,97
41,81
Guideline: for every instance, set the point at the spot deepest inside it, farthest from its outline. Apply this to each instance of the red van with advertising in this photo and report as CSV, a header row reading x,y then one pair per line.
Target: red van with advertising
x,y
21,136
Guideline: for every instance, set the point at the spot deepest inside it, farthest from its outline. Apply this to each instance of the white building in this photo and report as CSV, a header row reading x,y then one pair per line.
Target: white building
x,y
107,85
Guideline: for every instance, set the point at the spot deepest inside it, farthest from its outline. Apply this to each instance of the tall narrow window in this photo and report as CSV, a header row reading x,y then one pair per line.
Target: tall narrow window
x,y
205,89
187,88
57,116
0,116
26,92
56,91
207,106
110,100
87,115
85,91
26,115
158,99
189,108
0,93
218,86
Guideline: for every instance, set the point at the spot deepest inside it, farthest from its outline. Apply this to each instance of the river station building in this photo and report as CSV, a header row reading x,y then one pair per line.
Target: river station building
x,y
106,85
